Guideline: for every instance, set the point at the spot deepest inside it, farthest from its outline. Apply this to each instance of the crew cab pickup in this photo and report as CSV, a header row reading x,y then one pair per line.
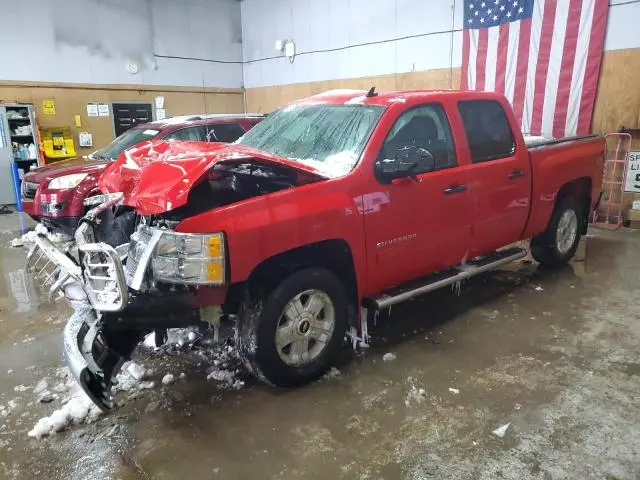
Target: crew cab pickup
x,y
333,208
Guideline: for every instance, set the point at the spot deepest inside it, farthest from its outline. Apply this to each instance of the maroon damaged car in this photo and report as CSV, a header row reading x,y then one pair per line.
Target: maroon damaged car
x,y
54,195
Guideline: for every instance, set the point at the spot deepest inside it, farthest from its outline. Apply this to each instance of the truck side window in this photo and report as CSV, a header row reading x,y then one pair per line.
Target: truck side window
x,y
224,132
195,134
488,130
423,126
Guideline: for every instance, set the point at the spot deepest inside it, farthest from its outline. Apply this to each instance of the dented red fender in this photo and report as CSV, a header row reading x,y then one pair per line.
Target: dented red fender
x,y
156,177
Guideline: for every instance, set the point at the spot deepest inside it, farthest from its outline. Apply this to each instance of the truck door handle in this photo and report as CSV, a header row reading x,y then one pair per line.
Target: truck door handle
x,y
451,189
516,174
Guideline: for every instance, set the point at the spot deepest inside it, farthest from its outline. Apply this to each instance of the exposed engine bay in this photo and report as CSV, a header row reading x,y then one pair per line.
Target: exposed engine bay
x,y
224,184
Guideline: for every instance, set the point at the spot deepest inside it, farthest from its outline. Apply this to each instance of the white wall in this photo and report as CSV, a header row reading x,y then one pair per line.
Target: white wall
x,y
328,24
92,41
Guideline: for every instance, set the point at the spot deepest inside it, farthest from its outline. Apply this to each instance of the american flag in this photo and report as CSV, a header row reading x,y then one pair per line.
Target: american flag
x,y
544,55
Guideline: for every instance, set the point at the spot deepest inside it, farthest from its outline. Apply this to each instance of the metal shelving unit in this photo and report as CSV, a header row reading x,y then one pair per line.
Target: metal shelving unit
x,y
17,127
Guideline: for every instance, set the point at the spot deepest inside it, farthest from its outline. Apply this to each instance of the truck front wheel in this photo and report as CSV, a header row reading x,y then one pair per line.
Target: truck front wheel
x,y
290,336
558,243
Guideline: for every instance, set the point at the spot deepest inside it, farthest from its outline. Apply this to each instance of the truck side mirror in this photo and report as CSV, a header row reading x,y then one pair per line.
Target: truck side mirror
x,y
410,160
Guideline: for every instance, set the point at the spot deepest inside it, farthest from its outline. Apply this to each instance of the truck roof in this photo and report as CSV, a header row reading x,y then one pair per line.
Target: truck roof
x,y
182,119
345,96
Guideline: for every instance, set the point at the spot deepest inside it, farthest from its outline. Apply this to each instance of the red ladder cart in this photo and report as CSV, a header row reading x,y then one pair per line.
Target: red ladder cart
x,y
608,215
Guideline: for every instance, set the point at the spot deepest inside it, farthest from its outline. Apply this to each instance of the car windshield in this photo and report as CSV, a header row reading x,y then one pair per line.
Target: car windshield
x,y
330,138
124,141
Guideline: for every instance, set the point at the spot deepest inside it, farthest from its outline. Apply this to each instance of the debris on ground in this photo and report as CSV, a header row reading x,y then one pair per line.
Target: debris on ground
x,y
416,394
168,379
455,391
388,357
500,431
539,289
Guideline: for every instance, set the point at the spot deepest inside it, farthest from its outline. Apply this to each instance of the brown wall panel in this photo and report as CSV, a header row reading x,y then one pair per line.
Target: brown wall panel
x,y
72,99
265,99
618,98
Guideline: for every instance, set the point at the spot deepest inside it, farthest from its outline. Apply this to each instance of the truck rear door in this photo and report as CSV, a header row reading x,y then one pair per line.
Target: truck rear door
x,y
499,175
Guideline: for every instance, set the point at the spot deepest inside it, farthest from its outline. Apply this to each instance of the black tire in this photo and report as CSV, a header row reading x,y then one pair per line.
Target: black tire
x,y
544,247
259,318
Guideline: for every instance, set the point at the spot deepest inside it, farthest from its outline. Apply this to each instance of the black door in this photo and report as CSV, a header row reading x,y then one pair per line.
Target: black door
x,y
126,115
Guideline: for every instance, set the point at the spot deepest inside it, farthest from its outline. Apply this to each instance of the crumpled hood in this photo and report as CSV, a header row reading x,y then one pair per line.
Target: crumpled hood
x,y
156,177
65,167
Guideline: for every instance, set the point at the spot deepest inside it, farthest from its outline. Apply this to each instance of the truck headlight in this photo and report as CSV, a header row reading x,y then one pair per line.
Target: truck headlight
x,y
190,258
66,181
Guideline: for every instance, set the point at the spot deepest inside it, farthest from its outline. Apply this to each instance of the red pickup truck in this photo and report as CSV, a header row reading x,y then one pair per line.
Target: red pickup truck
x,y
54,194
331,209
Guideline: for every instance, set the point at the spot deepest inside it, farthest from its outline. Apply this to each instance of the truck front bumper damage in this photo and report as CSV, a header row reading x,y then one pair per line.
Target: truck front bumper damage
x,y
78,339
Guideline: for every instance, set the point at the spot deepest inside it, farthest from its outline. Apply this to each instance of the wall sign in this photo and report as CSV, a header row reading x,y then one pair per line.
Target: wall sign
x,y
103,109
633,173
49,107
92,109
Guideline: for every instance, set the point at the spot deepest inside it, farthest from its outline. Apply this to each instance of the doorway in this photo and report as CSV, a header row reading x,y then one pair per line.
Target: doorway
x,y
127,115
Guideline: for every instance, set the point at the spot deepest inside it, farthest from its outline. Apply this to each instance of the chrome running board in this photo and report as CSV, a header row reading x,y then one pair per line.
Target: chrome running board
x,y
438,280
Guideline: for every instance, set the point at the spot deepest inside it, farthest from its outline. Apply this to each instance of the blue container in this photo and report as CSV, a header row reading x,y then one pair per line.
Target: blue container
x,y
15,173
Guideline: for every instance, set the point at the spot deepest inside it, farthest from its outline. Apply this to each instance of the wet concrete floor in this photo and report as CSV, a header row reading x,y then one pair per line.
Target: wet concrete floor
x,y
554,354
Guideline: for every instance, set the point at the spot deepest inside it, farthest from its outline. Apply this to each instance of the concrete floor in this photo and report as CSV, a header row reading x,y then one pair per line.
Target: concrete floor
x,y
560,363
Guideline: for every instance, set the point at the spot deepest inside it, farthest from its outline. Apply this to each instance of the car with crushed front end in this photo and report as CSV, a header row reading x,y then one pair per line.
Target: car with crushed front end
x,y
332,209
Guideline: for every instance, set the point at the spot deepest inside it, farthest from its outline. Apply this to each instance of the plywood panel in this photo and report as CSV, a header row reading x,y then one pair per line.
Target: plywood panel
x,y
266,99
618,97
72,100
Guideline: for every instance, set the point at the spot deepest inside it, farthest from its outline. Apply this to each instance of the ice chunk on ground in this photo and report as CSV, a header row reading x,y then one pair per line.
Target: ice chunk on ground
x,y
17,242
455,391
168,379
78,410
10,371
150,340
20,388
388,357
41,229
136,371
192,336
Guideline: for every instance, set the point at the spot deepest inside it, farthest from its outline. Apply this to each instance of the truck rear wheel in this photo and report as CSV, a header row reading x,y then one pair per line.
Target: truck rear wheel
x,y
558,243
290,336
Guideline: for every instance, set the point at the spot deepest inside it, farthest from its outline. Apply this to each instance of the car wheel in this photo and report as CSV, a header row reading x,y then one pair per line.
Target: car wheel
x,y
559,242
290,336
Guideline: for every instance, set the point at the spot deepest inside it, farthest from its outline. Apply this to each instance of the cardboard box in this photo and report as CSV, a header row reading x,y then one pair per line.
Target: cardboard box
x,y
634,224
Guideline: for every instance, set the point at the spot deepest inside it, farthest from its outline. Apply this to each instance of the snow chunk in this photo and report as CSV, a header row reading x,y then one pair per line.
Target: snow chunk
x,y
455,391
136,371
388,357
78,410
20,388
168,379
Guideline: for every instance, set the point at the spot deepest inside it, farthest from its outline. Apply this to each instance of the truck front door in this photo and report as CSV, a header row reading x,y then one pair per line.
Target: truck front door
x,y
416,225
499,176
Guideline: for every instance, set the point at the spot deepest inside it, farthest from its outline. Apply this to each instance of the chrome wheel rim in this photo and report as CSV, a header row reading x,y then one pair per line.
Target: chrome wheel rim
x,y
305,328
567,231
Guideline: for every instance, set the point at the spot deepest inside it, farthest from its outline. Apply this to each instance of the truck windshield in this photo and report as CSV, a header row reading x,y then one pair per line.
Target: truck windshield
x,y
330,138
124,141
